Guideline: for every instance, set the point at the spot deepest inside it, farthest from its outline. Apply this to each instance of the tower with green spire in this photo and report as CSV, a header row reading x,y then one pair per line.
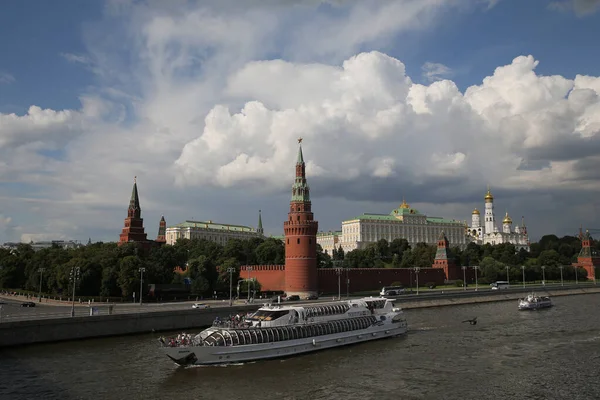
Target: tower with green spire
x,y
133,231
300,237
260,229
162,231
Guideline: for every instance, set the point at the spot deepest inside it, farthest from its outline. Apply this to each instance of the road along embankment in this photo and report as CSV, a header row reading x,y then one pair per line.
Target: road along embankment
x,y
71,328
487,296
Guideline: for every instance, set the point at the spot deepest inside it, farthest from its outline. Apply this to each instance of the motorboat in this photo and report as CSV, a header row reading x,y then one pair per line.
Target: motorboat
x,y
534,302
277,330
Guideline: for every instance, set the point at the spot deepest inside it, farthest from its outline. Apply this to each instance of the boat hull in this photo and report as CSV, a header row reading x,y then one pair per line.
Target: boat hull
x,y
532,307
216,355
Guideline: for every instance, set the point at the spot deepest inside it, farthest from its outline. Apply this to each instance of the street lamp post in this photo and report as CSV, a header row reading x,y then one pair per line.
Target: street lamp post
x,y
464,268
544,275
41,271
576,277
74,277
347,284
339,274
475,268
561,275
523,268
230,270
249,269
142,270
417,269
507,277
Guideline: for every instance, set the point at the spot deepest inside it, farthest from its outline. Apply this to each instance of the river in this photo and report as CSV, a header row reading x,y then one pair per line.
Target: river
x,y
548,354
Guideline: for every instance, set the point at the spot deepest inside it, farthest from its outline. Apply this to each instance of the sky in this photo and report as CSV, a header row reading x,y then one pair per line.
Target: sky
x,y
203,101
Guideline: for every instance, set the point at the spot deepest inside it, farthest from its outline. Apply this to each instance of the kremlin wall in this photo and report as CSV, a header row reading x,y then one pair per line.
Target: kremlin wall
x,y
300,275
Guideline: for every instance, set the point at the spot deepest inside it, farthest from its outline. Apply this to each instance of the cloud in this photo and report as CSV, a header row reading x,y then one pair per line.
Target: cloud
x,y
203,101
6,78
579,7
435,71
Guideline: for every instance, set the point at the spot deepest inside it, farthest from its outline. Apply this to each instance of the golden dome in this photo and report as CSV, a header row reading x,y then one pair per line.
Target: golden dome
x,y
488,196
507,219
476,212
404,204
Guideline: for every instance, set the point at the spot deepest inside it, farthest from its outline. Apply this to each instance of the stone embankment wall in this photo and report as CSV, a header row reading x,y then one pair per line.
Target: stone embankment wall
x,y
70,328
500,296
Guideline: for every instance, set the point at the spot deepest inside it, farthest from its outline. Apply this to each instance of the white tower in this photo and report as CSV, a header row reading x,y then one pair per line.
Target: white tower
x,y
490,219
506,224
475,219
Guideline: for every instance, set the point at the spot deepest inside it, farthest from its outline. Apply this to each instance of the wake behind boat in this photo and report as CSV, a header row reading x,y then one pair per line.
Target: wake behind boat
x,y
279,331
534,302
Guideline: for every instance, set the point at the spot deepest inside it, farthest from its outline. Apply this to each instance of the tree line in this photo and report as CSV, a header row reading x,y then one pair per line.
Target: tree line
x,y
108,270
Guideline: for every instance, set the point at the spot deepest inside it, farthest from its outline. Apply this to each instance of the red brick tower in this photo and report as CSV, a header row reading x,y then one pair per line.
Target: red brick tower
x,y
588,257
162,230
443,259
300,237
133,231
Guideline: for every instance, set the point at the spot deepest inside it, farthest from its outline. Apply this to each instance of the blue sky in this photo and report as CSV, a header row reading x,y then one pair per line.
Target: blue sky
x,y
111,67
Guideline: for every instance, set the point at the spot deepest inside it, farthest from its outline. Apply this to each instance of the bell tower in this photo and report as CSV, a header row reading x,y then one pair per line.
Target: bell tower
x,y
300,237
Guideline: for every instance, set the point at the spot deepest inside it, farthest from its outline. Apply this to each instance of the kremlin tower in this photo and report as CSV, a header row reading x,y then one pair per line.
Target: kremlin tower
x,y
162,229
133,231
300,237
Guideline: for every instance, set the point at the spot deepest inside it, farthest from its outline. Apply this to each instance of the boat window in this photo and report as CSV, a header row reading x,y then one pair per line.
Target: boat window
x,y
236,337
228,338
253,336
267,315
271,335
283,333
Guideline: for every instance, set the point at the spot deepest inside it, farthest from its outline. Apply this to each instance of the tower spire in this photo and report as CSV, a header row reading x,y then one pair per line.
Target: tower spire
x,y
134,202
259,229
300,189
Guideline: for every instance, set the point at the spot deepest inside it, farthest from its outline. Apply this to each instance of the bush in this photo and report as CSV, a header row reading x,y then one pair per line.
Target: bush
x,y
431,285
459,283
397,284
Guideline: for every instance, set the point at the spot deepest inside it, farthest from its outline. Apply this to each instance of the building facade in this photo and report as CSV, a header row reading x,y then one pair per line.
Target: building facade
x,y
487,232
300,230
209,230
403,222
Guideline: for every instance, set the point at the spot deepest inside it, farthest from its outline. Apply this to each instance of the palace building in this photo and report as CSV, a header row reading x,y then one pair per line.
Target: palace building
x,y
488,232
215,232
403,222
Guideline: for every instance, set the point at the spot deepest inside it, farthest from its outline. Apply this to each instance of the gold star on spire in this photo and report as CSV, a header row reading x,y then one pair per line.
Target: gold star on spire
x,y
299,140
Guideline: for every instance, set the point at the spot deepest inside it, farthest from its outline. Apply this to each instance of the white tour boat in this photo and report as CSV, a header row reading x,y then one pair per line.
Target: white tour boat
x,y
279,331
534,302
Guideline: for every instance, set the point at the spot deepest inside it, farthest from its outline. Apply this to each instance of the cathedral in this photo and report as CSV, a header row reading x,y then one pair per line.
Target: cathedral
x,y
488,231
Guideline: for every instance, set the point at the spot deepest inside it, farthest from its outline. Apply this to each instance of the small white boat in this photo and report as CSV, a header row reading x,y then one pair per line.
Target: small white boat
x,y
534,302
279,331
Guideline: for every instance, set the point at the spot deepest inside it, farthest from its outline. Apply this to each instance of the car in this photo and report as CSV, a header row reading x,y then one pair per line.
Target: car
x,y
293,298
200,306
28,304
312,297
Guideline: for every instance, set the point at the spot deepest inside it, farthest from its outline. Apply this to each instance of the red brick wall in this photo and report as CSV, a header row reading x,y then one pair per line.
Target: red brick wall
x,y
270,277
363,279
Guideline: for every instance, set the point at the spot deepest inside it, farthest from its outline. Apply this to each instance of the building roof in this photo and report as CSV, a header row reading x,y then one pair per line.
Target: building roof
x,y
334,233
389,217
212,225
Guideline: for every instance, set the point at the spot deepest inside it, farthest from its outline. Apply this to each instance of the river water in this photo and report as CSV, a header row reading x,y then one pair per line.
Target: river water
x,y
548,354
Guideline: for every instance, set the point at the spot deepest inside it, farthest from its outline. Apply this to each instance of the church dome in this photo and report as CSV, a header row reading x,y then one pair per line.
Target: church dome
x,y
507,219
488,196
404,204
476,212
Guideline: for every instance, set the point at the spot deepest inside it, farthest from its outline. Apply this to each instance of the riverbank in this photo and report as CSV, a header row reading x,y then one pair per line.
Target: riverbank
x,y
72,328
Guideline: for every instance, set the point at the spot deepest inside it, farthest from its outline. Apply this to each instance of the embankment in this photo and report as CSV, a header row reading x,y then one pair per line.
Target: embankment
x,y
484,297
60,329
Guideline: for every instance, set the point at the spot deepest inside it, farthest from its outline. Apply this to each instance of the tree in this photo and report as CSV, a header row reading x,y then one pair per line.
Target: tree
x,y
128,277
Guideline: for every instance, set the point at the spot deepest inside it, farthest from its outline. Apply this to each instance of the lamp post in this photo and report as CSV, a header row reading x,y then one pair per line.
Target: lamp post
x,y
417,269
74,277
544,275
576,277
249,269
41,271
339,273
142,270
347,283
464,268
230,270
561,276
507,277
523,268
475,268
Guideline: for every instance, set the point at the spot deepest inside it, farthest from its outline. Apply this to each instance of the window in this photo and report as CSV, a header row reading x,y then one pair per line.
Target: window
x,y
288,241
309,241
298,218
298,240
